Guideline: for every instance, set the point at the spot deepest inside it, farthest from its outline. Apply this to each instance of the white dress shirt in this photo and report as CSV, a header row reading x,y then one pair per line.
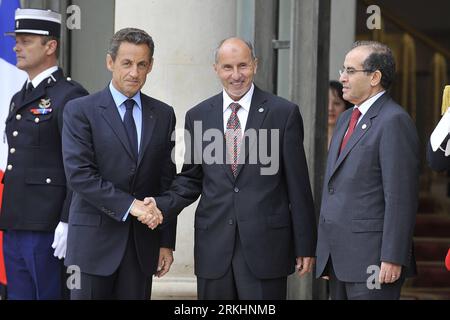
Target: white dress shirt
x,y
364,107
41,76
242,113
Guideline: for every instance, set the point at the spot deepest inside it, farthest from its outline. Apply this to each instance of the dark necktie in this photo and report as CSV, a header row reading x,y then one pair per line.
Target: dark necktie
x,y
29,89
233,137
130,127
351,127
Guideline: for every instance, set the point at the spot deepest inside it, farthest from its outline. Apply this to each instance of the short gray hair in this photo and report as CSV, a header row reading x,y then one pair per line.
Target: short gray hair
x,y
131,35
248,43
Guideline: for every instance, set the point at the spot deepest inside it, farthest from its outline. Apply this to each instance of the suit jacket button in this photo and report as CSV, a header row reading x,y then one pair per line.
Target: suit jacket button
x,y
36,120
12,150
236,189
15,133
331,190
230,222
18,117
48,180
9,167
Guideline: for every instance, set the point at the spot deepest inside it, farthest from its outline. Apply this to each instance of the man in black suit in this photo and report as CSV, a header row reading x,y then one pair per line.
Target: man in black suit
x,y
255,220
35,199
117,149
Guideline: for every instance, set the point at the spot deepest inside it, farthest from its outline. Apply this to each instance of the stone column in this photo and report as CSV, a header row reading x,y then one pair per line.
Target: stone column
x,y
309,89
342,33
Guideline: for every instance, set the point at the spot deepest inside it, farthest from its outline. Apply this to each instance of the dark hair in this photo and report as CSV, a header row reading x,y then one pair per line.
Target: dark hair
x,y
381,58
131,35
336,87
45,39
248,43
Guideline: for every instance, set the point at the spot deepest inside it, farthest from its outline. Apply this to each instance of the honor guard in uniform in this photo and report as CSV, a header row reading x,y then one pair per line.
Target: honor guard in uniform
x,y
35,198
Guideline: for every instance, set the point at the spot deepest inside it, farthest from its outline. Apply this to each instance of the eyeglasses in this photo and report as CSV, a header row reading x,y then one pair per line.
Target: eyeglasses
x,y
351,71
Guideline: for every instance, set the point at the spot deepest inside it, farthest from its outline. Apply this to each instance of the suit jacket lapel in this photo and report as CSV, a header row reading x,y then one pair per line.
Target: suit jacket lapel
x,y
148,124
256,115
112,117
338,136
360,130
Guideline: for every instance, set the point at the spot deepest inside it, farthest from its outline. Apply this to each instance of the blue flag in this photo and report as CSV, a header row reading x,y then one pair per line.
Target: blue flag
x,y
7,9
11,78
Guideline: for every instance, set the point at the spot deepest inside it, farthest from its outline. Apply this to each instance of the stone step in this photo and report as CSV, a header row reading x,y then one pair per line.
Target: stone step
x,y
431,249
432,225
425,293
173,287
430,274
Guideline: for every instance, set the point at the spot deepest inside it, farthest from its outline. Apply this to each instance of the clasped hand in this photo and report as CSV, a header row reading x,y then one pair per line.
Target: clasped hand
x,y
147,212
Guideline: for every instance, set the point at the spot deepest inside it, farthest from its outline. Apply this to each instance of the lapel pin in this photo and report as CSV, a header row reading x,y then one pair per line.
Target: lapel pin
x,y
261,110
364,126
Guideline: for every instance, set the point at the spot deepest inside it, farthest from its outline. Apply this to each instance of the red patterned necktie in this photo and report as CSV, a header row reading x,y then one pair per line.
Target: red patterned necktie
x,y
233,137
351,127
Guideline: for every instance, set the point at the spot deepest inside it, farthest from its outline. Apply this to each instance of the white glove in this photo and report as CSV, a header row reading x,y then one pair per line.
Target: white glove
x,y
441,131
60,240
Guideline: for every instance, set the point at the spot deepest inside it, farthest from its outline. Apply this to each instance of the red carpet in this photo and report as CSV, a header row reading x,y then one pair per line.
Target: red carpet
x,y
431,245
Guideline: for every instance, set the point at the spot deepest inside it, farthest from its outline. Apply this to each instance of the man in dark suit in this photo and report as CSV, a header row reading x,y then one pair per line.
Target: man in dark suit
x,y
255,220
370,193
35,199
117,149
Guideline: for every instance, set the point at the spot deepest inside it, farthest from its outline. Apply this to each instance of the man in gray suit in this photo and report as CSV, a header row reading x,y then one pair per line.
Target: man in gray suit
x,y
370,192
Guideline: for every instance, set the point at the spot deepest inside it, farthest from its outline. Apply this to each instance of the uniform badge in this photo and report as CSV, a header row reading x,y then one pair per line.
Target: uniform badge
x,y
45,103
44,107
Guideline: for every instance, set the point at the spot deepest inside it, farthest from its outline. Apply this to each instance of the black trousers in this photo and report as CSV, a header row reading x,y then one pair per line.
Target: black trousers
x,y
128,282
340,290
239,283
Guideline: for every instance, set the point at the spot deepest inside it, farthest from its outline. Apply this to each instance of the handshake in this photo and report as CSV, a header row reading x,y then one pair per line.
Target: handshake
x,y
147,212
